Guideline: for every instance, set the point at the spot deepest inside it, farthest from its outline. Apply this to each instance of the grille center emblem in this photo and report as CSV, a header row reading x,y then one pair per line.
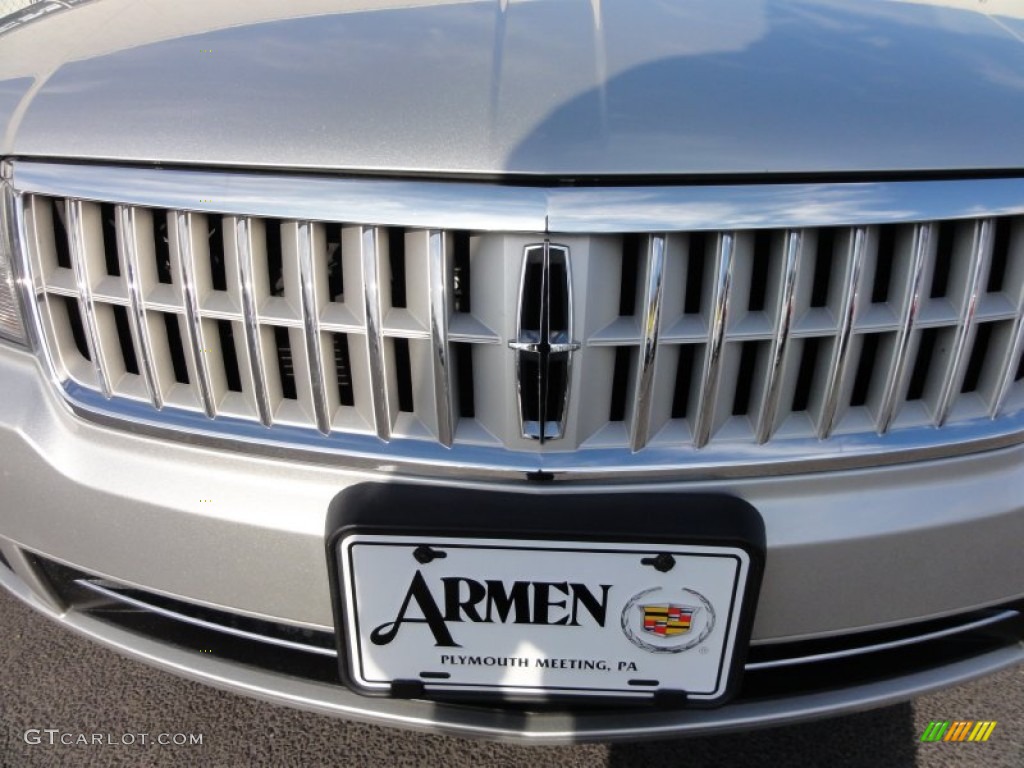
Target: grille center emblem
x,y
544,343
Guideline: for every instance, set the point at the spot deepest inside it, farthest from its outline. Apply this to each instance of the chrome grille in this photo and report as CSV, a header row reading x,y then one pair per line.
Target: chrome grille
x,y
839,334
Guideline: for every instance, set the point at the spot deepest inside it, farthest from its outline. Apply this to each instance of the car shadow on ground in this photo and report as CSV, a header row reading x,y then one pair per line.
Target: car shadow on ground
x,y
869,739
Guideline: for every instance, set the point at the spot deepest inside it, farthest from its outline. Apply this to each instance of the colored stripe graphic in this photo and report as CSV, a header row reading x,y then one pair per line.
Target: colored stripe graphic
x,y
935,730
982,730
958,730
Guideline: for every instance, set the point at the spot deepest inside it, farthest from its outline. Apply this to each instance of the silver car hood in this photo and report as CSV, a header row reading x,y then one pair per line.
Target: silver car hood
x,y
553,87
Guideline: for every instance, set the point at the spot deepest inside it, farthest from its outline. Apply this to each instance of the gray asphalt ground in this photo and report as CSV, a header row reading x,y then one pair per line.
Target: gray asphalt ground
x,y
50,678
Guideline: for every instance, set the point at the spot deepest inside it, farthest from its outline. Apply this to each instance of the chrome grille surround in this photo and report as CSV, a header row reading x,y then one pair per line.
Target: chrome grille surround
x,y
407,412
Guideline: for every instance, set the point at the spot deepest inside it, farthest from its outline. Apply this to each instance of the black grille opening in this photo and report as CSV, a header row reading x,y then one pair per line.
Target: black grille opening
x,y
462,362
760,263
335,273
4,563
124,339
162,247
275,272
60,233
175,347
745,378
629,276
529,369
823,260
620,384
558,380
533,279
1020,369
976,363
226,332
460,271
215,237
943,259
883,264
923,363
396,259
403,375
695,273
914,652
77,327
684,378
865,369
179,627
343,369
1000,255
805,373
558,291
108,218
285,364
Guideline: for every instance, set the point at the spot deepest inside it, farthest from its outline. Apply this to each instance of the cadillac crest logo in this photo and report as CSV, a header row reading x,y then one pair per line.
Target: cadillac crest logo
x,y
658,620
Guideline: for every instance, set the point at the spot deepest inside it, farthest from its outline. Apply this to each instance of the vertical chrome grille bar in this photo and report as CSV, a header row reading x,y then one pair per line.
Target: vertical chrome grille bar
x,y
79,261
716,337
982,239
1008,372
651,318
847,313
311,326
369,241
437,254
127,239
920,248
257,372
783,322
190,299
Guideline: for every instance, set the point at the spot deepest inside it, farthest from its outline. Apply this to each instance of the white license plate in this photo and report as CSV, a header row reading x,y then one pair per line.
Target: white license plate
x,y
540,617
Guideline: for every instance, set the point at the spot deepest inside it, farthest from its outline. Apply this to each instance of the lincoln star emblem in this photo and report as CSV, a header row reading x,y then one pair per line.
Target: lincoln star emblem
x,y
544,342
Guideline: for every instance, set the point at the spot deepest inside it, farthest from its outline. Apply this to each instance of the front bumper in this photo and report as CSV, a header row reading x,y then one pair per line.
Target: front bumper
x,y
847,552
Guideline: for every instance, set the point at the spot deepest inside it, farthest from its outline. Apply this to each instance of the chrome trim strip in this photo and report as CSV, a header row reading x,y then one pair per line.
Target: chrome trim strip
x,y
473,205
841,349
257,370
427,458
875,647
982,240
792,246
369,239
437,255
167,613
920,248
311,327
716,338
127,238
76,245
193,321
651,319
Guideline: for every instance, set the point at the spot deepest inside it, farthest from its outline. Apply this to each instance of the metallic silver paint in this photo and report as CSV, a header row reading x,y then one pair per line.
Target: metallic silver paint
x,y
466,87
522,727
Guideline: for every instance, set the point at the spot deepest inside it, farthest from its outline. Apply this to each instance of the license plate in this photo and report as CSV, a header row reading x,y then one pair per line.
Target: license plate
x,y
531,617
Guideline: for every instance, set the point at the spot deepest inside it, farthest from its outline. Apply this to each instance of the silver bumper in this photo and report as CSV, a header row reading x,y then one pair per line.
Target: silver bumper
x,y
847,552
